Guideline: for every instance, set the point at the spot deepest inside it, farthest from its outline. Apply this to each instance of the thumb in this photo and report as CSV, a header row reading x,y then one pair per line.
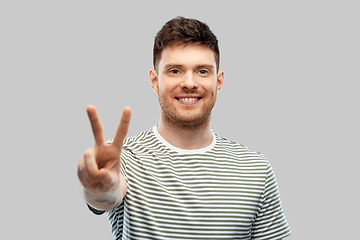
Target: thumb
x,y
106,177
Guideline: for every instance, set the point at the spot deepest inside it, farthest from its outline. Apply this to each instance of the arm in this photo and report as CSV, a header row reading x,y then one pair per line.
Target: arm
x,y
102,186
270,221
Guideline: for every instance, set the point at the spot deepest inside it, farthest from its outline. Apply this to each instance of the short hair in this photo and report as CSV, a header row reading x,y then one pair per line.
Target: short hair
x,y
184,31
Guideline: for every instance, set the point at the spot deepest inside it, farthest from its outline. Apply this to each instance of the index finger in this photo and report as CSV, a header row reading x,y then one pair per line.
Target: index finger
x,y
96,125
122,128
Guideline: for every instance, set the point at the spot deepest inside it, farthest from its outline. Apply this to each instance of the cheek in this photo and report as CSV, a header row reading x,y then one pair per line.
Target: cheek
x,y
162,90
166,89
212,89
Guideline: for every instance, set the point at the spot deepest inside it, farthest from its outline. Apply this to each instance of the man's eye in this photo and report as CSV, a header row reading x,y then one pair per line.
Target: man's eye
x,y
174,71
203,72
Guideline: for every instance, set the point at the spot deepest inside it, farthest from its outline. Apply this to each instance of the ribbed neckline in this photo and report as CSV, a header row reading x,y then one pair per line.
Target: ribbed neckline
x,y
184,151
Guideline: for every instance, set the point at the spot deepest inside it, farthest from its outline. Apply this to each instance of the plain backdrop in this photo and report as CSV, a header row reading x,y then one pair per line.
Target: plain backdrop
x,y
291,92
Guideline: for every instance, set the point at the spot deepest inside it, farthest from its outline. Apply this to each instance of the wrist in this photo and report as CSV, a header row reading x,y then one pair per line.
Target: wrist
x,y
101,200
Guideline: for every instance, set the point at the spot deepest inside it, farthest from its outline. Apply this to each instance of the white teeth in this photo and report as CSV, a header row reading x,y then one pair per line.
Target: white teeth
x,y
188,99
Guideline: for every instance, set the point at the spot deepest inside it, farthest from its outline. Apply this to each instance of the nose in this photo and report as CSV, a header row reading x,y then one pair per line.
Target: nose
x,y
189,82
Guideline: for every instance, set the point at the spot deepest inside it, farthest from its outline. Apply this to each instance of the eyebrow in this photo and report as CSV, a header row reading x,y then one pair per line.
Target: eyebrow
x,y
208,66
167,66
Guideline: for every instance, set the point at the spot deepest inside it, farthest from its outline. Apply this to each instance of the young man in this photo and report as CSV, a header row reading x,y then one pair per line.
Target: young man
x,y
180,180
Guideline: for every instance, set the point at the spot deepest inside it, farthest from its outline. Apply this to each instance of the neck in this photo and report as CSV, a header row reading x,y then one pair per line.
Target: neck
x,y
186,136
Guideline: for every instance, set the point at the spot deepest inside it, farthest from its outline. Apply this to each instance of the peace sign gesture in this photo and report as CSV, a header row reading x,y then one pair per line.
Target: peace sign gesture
x,y
99,167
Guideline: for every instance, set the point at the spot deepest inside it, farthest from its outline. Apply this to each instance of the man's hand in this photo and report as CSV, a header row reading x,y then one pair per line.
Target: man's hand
x,y
99,167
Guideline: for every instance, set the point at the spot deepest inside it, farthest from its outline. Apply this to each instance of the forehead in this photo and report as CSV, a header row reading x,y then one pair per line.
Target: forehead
x,y
187,55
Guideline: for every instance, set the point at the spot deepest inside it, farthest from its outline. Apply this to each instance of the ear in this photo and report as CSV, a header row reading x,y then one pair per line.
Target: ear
x,y
220,80
154,81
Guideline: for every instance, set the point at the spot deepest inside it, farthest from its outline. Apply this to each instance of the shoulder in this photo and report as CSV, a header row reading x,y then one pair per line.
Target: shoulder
x,y
139,139
232,147
143,143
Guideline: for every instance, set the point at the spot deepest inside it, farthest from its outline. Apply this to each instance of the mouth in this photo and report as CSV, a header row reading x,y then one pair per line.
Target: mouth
x,y
188,99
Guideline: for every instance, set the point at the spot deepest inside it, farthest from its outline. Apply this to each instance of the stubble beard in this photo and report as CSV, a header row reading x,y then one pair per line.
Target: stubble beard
x,y
183,122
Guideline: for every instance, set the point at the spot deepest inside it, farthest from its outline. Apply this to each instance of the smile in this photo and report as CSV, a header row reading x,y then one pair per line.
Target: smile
x,y
188,99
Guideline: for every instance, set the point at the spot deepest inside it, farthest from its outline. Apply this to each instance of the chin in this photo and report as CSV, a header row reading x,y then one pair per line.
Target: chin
x,y
186,118
192,121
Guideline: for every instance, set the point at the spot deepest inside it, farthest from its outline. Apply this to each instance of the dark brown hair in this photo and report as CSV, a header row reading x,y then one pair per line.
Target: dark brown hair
x,y
179,31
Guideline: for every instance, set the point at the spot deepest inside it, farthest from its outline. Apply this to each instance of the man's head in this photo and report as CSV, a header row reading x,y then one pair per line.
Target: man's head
x,y
186,75
184,31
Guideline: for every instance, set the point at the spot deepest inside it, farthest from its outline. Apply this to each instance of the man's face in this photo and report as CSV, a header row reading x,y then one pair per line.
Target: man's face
x,y
187,84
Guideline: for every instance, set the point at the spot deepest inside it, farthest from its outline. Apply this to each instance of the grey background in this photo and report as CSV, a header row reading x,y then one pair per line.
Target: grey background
x,y
291,92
